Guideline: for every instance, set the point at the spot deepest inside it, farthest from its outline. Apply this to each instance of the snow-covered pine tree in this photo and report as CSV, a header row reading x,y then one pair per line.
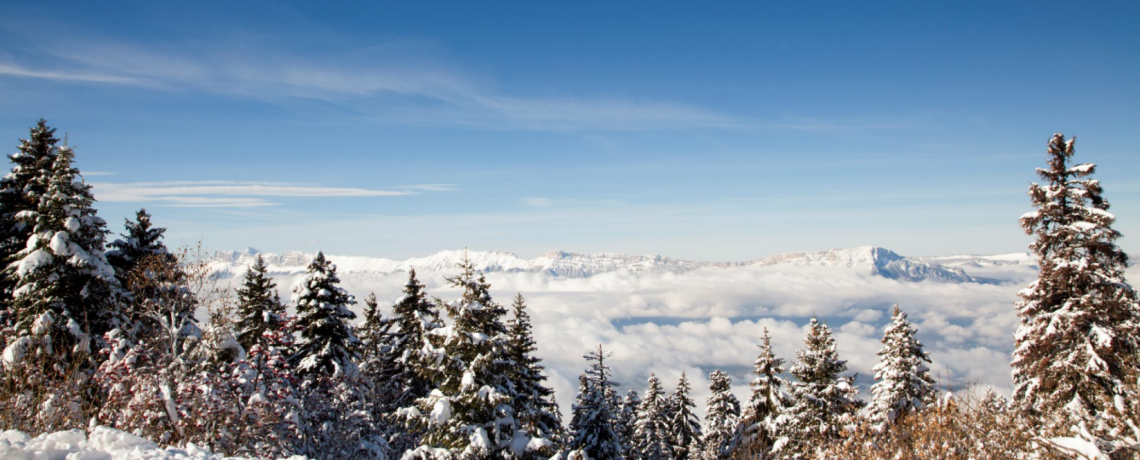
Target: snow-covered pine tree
x,y
651,432
259,309
592,427
142,240
468,414
904,383
324,360
20,191
1080,325
327,346
534,408
65,291
407,363
374,333
767,402
627,421
684,425
722,415
579,414
823,400
376,371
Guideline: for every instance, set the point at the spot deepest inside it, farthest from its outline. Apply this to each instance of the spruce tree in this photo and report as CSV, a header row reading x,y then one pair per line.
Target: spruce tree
x,y
259,309
327,346
414,317
325,360
21,190
592,427
65,292
722,414
141,240
627,421
651,432
532,401
375,367
1079,336
904,383
823,399
374,334
684,425
468,414
404,369
767,401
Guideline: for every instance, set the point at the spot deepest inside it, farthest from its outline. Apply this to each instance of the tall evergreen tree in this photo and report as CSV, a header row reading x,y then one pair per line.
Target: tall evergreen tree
x,y
722,414
21,190
823,399
142,240
469,415
651,432
408,365
532,402
767,401
627,423
374,334
904,382
593,427
1079,336
403,371
65,291
259,308
327,346
684,425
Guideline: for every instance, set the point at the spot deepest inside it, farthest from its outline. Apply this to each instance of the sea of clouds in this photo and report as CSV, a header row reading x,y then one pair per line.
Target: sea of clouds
x,y
713,318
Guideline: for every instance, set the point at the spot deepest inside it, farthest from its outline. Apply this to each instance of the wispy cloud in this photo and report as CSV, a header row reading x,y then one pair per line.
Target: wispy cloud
x,y
413,92
537,201
232,194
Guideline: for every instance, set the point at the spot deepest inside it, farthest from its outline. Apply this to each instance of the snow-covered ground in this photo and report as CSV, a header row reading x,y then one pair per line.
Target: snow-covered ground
x,y
103,444
670,316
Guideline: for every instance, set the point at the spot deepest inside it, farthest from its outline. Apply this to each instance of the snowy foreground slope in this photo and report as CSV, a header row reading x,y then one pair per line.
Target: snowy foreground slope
x,y
103,444
669,316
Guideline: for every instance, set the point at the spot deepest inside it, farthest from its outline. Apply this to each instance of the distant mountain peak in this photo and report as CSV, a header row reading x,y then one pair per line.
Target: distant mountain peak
x,y
879,261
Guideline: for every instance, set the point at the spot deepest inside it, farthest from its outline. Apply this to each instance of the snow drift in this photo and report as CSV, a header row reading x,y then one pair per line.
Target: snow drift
x,y
102,444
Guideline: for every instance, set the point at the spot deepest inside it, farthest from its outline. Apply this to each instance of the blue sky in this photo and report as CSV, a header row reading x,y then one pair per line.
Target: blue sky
x,y
711,131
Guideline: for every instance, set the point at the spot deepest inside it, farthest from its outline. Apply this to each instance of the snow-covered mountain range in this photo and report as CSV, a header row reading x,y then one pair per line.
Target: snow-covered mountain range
x,y
878,261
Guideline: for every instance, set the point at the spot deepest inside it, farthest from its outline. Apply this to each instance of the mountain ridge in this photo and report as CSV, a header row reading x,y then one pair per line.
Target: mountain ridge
x,y
879,261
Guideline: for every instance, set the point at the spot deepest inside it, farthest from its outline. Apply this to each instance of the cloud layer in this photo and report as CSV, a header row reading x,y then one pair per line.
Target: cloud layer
x,y
713,318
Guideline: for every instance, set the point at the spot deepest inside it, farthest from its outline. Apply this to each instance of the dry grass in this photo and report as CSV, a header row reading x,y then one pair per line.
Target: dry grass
x,y
969,427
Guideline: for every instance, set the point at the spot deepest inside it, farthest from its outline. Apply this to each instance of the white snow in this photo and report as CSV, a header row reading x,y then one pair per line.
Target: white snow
x,y
1083,449
59,243
562,264
15,351
33,262
72,224
441,412
102,444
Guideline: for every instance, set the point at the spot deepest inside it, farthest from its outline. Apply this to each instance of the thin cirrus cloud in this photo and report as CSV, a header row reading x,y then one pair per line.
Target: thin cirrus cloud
x,y
413,93
233,194
537,201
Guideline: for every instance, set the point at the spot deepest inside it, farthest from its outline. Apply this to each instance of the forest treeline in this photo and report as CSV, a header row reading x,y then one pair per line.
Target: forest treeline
x,y
98,333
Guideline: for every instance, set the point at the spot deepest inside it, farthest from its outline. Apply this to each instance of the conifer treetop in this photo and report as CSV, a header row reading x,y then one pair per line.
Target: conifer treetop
x,y
327,345
903,379
1079,338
